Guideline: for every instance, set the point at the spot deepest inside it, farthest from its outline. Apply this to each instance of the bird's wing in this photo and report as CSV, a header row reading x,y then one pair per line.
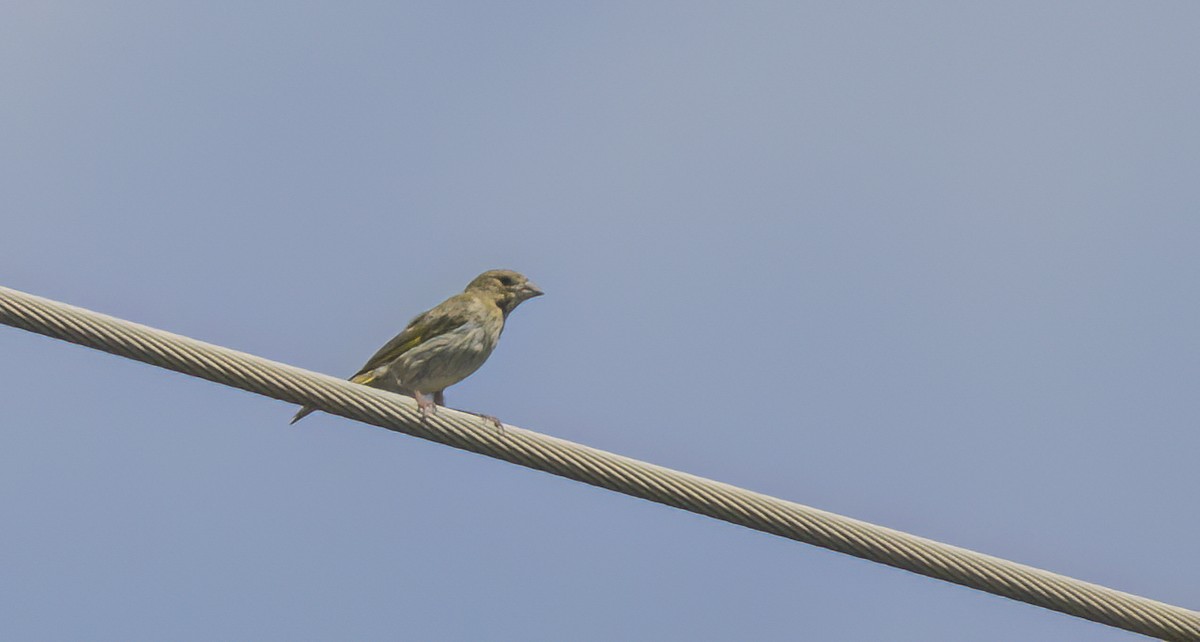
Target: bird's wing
x,y
444,318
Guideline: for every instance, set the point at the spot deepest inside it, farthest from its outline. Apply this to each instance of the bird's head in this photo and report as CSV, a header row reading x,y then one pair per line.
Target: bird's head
x,y
507,288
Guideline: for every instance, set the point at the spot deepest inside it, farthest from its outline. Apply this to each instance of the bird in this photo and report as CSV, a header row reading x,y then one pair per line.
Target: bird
x,y
447,343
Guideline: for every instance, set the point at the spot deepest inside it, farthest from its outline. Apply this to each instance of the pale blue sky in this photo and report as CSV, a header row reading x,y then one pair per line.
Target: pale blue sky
x,y
931,265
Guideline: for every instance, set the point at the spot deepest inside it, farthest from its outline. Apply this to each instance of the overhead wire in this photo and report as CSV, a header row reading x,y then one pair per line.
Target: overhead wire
x,y
600,468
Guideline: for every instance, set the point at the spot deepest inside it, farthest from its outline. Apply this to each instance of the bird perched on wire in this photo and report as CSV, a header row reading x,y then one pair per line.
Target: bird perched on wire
x,y
444,345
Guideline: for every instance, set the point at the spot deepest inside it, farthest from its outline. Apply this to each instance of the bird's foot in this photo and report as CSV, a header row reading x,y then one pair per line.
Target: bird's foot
x,y
426,405
493,422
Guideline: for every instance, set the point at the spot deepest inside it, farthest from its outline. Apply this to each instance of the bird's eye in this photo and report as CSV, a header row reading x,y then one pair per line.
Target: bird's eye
x,y
506,281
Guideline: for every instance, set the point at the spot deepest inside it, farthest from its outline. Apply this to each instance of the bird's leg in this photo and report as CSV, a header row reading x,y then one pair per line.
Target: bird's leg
x,y
496,423
426,405
439,399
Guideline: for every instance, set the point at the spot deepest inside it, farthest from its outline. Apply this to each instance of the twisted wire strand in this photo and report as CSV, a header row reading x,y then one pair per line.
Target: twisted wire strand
x,y
599,468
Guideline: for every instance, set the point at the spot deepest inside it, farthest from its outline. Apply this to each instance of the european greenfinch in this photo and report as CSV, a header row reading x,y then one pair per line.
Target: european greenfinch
x,y
444,345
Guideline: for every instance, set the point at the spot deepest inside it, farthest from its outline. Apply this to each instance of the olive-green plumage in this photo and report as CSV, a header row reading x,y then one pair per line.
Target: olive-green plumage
x,y
444,345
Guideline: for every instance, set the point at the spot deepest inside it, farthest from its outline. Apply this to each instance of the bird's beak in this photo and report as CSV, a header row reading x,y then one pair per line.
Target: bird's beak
x,y
529,290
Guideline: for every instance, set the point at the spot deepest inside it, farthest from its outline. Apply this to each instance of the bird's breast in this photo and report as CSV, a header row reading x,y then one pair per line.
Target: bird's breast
x,y
446,359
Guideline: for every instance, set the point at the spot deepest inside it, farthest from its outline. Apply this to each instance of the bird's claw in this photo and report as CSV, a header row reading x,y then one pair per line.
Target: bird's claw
x,y
426,406
496,423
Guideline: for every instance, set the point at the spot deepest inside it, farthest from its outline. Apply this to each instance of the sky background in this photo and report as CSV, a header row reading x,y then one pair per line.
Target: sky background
x,y
931,265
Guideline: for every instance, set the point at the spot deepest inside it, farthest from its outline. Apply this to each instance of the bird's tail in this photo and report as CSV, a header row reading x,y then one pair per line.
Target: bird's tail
x,y
304,412
364,378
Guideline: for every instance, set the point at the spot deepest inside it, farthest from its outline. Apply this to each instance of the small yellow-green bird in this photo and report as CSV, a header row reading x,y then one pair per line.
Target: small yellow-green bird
x,y
444,345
